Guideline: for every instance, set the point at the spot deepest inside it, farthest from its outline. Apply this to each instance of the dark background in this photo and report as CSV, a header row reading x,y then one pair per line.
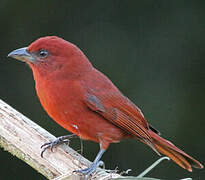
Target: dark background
x,y
153,50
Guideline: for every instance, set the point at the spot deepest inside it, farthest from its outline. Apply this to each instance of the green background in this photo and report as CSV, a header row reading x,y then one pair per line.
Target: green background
x,y
153,50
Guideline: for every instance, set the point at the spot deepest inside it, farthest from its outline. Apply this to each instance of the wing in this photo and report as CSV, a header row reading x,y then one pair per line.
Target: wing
x,y
120,111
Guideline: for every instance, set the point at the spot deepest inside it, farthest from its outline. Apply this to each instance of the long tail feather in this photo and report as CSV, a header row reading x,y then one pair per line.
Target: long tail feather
x,y
178,156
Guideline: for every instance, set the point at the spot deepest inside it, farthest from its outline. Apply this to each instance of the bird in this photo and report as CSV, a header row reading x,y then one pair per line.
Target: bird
x,y
86,103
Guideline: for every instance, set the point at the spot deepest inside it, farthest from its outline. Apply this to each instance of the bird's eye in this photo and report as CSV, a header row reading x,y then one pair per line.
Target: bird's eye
x,y
43,53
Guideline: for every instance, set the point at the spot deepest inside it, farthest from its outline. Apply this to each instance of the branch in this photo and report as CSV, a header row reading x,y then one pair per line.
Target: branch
x,y
23,138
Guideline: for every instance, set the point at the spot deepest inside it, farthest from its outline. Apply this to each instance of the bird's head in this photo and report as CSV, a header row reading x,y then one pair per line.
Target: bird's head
x,y
52,54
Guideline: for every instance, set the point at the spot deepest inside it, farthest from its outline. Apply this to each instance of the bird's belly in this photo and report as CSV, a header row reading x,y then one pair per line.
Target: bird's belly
x,y
70,112
91,126
80,120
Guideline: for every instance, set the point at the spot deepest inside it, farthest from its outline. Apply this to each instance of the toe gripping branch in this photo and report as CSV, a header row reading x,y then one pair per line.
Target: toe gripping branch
x,y
96,163
66,139
57,142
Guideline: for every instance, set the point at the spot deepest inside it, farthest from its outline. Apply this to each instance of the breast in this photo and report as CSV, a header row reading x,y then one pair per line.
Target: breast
x,y
64,103
61,100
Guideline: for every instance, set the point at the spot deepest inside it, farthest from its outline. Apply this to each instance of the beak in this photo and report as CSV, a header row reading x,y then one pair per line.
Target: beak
x,y
22,54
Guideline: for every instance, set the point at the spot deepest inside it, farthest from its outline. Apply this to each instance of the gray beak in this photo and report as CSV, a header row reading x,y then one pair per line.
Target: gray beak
x,y
22,54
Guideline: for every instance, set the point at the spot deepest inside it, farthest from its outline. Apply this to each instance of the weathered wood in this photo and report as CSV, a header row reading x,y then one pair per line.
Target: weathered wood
x,y
23,138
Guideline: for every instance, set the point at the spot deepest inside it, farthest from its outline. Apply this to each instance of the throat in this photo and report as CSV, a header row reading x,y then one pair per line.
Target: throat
x,y
60,72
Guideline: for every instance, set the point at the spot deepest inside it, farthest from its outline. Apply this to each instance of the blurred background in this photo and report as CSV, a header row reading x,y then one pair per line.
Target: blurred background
x,y
153,50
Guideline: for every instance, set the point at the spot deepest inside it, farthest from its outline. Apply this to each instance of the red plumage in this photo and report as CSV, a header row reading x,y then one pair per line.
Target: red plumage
x,y
85,102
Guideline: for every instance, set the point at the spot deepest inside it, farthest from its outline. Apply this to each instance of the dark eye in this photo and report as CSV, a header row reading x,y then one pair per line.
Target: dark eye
x,y
43,53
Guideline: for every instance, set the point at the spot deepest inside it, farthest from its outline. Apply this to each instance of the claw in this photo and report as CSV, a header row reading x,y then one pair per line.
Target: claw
x,y
88,171
44,149
58,141
97,163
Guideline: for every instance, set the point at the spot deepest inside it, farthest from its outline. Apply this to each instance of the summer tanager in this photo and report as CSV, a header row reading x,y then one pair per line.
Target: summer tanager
x,y
85,102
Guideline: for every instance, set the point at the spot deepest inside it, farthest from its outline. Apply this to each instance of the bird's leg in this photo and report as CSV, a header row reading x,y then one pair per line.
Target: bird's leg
x,y
58,141
96,163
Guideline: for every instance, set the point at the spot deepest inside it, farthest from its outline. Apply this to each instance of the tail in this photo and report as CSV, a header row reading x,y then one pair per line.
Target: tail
x,y
178,156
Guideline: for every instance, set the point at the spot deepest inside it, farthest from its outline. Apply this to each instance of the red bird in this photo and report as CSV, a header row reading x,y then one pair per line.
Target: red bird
x,y
85,102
